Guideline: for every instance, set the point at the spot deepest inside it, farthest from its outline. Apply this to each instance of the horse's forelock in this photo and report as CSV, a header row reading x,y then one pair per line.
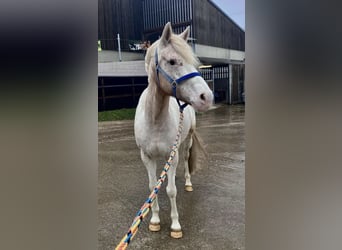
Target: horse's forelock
x,y
180,46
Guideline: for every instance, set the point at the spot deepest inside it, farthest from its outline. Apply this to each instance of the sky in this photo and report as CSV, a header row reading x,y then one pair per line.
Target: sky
x,y
235,9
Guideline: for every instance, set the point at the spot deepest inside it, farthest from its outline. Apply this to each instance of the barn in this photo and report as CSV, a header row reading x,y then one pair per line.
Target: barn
x,y
127,27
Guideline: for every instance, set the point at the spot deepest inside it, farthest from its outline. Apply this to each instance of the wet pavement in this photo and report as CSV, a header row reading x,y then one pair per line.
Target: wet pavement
x,y
212,216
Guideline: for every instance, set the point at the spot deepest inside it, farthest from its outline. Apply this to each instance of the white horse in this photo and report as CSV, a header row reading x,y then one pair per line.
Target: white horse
x,y
171,67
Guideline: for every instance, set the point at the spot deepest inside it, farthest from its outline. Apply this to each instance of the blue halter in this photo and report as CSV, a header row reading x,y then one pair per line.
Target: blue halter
x,y
172,81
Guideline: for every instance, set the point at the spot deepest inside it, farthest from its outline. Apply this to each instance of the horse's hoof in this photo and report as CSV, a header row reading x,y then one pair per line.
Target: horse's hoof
x,y
176,234
154,227
189,188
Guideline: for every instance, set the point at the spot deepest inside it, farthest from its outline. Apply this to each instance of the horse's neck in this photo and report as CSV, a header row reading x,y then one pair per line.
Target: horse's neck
x,y
157,104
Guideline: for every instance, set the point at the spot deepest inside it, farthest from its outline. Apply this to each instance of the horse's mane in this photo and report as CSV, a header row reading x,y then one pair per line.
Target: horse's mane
x,y
179,45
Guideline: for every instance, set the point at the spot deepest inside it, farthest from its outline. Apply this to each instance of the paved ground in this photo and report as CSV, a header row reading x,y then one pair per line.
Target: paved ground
x,y
212,216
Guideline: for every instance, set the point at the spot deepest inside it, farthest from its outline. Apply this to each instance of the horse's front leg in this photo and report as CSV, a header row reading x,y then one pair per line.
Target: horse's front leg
x,y
176,230
151,167
187,145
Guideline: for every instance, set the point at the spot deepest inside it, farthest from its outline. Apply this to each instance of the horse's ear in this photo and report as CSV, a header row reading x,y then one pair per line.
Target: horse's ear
x,y
167,32
185,34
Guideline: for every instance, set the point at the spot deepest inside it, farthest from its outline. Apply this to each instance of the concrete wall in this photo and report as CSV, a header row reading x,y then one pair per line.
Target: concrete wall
x,y
113,56
216,54
127,68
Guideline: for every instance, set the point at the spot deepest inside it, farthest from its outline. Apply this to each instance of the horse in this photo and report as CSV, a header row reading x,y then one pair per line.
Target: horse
x,y
172,78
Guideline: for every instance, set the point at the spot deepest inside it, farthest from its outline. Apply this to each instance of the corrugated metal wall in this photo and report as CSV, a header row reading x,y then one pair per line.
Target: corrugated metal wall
x,y
119,16
212,27
158,12
145,19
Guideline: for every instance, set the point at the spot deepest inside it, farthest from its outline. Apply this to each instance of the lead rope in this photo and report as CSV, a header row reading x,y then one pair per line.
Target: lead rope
x,y
148,203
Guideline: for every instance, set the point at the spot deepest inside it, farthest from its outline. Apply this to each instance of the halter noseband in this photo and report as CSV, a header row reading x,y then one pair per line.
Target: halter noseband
x,y
173,82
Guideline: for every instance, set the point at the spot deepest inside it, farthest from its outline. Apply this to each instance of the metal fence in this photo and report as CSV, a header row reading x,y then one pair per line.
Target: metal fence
x,y
124,92
218,81
119,92
131,45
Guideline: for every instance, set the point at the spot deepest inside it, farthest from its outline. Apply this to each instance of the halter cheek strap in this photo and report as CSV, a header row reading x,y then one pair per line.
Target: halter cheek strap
x,y
173,82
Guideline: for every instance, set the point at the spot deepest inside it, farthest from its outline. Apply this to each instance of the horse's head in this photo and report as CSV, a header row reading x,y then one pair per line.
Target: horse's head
x,y
171,61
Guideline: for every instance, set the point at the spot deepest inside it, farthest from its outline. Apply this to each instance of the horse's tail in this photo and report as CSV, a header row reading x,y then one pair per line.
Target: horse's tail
x,y
198,155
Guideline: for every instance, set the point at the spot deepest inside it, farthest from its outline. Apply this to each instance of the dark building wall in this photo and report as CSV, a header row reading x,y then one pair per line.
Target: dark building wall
x,y
158,12
145,19
119,16
212,27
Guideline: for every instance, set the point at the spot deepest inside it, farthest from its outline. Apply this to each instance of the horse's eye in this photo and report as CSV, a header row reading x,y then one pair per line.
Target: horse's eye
x,y
172,62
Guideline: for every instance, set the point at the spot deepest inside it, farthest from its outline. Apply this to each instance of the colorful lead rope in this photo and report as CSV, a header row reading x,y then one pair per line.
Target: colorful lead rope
x,y
143,211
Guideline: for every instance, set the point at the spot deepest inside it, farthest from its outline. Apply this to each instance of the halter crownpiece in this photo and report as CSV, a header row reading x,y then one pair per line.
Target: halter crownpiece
x,y
173,82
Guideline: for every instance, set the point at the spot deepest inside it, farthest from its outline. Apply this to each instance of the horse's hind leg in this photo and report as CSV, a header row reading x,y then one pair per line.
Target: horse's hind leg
x,y
176,231
151,167
187,145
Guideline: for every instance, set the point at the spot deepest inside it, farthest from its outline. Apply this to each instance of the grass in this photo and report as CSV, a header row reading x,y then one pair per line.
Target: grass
x,y
120,114
116,115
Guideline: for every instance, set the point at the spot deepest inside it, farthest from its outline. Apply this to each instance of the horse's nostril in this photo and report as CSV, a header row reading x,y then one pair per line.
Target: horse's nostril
x,y
202,96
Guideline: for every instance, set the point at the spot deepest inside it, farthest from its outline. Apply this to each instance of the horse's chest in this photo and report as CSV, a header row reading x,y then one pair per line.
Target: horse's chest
x,y
158,142
157,138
